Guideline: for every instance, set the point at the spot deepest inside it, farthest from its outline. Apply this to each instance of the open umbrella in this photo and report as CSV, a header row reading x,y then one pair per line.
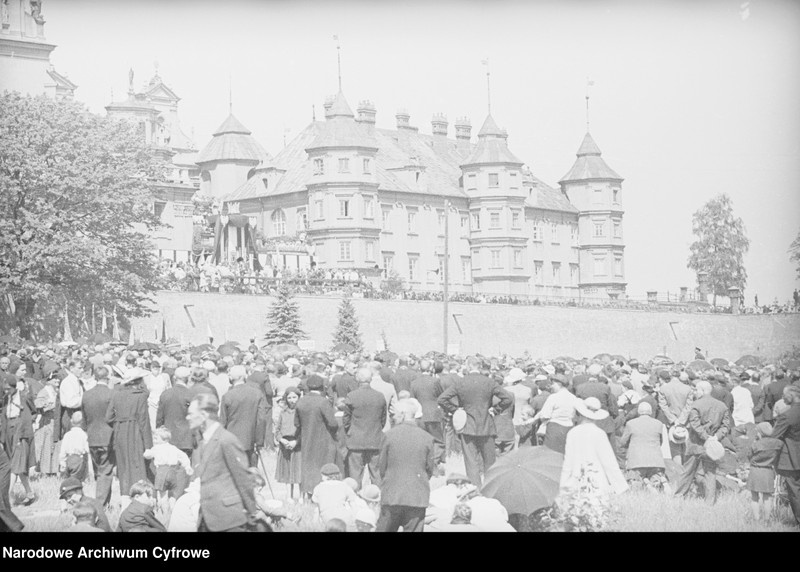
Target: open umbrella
x,y
719,362
524,480
748,361
346,348
699,365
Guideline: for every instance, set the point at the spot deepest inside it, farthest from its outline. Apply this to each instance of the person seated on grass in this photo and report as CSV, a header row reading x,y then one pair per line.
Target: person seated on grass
x,y
139,513
84,517
333,497
74,451
172,468
71,491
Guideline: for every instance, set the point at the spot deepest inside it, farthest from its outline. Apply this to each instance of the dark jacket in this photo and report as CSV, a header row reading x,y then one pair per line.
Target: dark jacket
x,y
364,419
406,465
243,412
173,405
94,406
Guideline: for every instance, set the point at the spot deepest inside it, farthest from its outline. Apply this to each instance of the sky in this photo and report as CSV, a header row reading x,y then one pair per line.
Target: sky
x,y
690,99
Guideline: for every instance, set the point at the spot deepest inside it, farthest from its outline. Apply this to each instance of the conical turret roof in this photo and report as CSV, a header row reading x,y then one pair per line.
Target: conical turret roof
x,y
589,164
232,141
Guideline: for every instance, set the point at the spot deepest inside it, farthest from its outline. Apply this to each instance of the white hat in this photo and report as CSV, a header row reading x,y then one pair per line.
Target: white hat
x,y
515,375
591,408
459,420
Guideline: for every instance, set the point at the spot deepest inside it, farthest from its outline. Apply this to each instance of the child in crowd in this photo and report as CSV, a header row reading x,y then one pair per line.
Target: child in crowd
x,y
74,452
173,468
139,515
763,455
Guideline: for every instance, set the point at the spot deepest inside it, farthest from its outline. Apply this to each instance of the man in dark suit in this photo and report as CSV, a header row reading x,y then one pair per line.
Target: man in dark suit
x,y
709,418
426,389
787,429
474,394
94,405
774,393
364,419
244,413
404,375
406,465
227,499
173,405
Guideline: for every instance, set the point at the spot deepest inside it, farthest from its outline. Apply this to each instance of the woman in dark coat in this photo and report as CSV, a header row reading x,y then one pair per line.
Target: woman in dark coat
x,y
128,416
17,430
316,432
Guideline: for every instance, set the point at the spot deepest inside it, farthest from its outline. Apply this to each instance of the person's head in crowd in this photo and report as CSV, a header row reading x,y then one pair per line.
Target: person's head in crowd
x,y
162,435
143,492
84,512
336,525
330,472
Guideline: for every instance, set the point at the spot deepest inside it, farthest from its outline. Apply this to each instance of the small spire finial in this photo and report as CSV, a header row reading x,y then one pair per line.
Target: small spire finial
x,y
589,83
338,60
488,86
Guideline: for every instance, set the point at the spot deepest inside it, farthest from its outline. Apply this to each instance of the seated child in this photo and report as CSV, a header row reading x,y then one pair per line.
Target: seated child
x,y
139,515
74,452
172,467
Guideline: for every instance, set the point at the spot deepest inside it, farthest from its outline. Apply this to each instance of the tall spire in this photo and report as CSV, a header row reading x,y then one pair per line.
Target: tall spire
x,y
488,86
589,83
339,60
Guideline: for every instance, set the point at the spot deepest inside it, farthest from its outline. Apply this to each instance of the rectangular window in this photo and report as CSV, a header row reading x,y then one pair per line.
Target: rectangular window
x,y
554,233
344,250
573,274
412,221
471,182
466,274
319,167
494,180
538,274
617,266
515,218
599,229
367,167
302,220
599,266
556,273
617,229
494,219
537,231
344,165
412,268
344,208
517,258
369,250
496,259
476,221
369,209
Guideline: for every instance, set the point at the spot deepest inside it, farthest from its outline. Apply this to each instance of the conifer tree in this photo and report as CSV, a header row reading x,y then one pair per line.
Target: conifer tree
x,y
347,329
284,319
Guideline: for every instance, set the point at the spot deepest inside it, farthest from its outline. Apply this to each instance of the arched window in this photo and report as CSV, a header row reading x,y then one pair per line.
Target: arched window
x,y
279,222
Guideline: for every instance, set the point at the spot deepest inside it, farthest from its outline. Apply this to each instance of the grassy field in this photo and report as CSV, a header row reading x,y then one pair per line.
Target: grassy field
x,y
634,511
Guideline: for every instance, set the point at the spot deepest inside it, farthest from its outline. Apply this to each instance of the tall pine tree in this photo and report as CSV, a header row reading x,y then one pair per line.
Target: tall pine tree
x,y
347,328
284,319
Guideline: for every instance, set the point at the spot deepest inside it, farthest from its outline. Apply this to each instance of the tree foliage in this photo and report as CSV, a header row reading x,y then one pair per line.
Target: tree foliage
x,y
347,331
720,246
74,215
284,319
794,252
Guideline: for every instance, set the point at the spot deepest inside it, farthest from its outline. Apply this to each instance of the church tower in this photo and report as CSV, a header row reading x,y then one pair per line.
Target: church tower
x,y
492,177
596,191
25,53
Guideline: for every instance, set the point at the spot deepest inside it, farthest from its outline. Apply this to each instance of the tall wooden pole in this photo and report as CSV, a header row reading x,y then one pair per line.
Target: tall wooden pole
x,y
446,273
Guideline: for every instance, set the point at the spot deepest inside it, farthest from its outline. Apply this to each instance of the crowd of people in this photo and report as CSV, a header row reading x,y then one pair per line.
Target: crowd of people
x,y
365,438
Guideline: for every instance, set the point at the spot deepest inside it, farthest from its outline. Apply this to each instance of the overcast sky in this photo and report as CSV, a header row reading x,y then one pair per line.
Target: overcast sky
x,y
690,100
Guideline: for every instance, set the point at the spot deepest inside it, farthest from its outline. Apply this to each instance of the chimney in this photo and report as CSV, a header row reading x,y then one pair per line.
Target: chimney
x,y
328,104
463,130
403,120
366,112
439,124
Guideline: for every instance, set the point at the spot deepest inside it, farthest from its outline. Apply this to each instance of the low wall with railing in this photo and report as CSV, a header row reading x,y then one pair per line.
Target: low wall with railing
x,y
544,331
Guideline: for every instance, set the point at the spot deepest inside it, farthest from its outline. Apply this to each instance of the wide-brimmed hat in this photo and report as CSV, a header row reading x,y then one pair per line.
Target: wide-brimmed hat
x,y
591,409
459,420
714,449
678,434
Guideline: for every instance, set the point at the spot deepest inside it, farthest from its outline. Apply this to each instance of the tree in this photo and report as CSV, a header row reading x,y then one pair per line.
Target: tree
x,y
720,246
75,213
347,328
794,251
284,319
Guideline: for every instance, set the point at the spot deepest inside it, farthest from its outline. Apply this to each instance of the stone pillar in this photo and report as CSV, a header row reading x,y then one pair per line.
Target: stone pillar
x,y
652,296
734,294
684,294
